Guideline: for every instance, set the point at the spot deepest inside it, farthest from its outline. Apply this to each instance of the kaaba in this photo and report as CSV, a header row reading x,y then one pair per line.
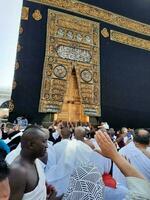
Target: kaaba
x,y
83,60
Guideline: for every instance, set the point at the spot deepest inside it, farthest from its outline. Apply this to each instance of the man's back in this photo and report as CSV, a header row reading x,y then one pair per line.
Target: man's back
x,y
60,148
71,154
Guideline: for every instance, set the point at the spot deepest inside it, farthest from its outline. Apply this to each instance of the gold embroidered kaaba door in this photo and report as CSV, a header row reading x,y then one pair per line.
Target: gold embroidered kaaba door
x,y
72,108
71,83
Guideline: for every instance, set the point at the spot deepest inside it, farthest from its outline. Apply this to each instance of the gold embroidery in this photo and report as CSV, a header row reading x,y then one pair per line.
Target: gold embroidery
x,y
25,13
37,15
20,30
11,106
16,65
69,48
18,48
98,13
14,84
129,40
105,33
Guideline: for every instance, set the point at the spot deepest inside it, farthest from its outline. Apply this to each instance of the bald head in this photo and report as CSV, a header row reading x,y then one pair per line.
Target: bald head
x,y
34,141
141,136
65,133
31,134
79,133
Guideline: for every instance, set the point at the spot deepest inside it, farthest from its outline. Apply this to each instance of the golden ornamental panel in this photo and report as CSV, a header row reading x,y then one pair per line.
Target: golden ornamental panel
x,y
129,40
70,49
25,13
98,13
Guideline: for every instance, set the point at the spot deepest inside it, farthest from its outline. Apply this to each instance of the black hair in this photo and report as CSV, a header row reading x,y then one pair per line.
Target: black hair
x,y
4,170
141,139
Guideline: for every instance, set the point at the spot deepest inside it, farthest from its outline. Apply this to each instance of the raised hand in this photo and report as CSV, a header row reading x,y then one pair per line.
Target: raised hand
x,y
108,149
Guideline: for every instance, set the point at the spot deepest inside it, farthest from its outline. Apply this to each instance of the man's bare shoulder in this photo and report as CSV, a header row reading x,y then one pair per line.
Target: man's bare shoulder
x,y
18,170
17,179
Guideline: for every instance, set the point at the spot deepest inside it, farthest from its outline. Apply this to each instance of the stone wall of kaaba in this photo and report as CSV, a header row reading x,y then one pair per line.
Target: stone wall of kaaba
x,y
124,58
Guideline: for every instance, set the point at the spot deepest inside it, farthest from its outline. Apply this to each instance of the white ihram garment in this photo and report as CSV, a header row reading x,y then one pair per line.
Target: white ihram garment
x,y
39,193
139,189
70,154
13,154
136,157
